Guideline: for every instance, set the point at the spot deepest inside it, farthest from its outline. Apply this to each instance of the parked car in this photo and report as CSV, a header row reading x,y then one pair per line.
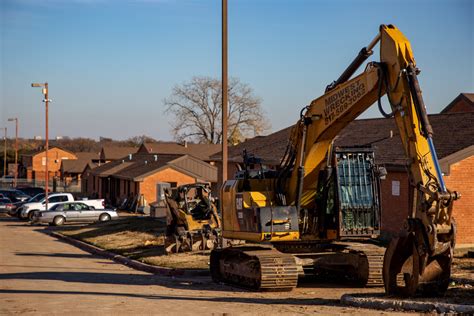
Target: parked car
x,y
17,206
69,212
5,205
14,195
26,211
31,191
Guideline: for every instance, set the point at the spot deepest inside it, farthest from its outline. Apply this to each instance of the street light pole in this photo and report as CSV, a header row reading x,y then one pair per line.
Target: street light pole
x,y
5,154
46,100
16,149
224,91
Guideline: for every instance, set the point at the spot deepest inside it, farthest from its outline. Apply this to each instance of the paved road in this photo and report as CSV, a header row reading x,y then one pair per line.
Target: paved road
x,y
41,275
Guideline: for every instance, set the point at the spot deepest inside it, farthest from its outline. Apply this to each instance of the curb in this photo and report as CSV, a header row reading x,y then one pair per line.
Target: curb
x,y
134,264
384,304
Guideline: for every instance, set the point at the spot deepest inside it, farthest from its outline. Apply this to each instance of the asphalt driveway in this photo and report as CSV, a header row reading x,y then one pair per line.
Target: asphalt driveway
x,y
42,275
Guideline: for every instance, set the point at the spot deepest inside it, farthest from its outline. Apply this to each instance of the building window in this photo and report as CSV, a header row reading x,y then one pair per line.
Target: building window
x,y
173,184
396,188
43,161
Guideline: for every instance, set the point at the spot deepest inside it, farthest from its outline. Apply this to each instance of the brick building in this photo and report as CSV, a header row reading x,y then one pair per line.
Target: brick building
x,y
33,163
72,170
140,173
454,141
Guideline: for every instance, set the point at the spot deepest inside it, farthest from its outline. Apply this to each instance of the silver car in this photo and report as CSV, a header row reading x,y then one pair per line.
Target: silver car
x,y
73,212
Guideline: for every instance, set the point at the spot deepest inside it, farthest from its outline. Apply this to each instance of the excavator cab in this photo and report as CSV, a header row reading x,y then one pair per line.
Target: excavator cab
x,y
357,193
347,199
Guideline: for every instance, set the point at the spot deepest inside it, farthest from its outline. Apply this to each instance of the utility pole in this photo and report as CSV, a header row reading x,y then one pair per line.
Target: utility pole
x,y
16,149
224,91
46,100
5,154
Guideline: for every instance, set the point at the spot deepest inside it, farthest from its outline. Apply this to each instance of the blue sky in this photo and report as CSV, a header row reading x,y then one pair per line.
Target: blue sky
x,y
110,63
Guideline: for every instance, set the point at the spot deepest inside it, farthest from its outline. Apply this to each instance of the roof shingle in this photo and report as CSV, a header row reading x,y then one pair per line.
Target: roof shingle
x,y
200,151
452,132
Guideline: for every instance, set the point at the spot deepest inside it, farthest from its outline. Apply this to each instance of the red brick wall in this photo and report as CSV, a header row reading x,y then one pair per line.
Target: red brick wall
x,y
461,179
55,156
394,208
148,186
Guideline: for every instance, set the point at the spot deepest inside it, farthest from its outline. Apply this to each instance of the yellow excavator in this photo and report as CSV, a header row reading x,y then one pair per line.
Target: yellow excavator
x,y
320,210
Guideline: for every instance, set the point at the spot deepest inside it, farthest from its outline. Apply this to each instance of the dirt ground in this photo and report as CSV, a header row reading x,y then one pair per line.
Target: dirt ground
x,y
141,238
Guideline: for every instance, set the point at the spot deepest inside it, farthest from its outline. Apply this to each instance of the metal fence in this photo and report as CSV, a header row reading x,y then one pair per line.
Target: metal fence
x,y
53,185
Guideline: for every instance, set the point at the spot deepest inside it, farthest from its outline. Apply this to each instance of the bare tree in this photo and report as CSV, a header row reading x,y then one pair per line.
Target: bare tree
x,y
196,110
138,140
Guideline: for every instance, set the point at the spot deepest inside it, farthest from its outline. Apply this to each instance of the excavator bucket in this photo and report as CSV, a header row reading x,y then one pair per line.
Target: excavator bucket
x,y
406,272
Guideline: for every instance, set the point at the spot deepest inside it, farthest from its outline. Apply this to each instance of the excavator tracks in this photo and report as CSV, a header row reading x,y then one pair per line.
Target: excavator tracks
x,y
254,268
366,259
374,255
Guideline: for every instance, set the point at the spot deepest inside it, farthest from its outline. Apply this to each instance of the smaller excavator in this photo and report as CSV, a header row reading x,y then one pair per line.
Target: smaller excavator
x,y
193,223
320,209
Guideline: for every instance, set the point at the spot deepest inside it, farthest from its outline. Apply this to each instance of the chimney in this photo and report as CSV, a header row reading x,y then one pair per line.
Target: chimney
x,y
185,144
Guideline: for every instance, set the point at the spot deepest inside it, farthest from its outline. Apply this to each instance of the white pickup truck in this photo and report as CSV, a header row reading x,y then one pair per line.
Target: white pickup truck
x,y
28,209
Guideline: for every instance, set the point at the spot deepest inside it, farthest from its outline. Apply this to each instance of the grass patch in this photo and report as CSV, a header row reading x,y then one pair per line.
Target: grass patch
x,y
139,238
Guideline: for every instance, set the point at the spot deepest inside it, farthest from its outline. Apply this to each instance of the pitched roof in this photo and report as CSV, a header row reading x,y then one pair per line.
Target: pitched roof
x,y
41,149
452,133
270,148
74,165
468,98
85,155
142,165
78,165
116,152
109,168
200,151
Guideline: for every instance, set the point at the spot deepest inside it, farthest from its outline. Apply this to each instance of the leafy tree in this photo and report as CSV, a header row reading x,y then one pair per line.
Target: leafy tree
x,y
196,110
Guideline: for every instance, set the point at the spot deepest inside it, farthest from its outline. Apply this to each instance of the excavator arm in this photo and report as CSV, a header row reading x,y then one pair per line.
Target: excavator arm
x,y
422,254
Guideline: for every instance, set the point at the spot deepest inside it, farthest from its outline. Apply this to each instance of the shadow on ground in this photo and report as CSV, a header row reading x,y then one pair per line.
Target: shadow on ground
x,y
233,299
55,255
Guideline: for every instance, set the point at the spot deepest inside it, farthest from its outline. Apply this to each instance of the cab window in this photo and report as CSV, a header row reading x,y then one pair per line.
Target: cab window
x,y
81,207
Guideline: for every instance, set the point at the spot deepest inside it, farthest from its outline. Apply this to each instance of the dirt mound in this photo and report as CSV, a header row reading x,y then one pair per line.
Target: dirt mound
x,y
139,238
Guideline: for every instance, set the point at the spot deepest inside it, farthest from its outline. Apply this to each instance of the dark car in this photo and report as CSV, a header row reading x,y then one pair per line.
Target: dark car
x,y
31,191
15,195
18,205
5,205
